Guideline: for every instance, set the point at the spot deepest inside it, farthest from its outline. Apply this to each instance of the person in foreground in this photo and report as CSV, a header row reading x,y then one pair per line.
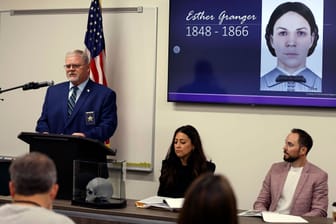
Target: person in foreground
x,y
93,114
209,199
185,160
295,186
291,36
33,188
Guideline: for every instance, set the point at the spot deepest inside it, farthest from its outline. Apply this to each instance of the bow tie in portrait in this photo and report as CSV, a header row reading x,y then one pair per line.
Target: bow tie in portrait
x,y
290,78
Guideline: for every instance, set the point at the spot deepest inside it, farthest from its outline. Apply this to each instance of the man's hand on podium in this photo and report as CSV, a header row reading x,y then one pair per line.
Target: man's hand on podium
x,y
79,134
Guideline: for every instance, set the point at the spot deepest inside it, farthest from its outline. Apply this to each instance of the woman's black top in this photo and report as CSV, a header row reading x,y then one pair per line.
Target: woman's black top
x,y
182,179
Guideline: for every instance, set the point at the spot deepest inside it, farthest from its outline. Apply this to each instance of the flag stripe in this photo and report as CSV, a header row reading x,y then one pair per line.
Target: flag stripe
x,y
97,73
102,65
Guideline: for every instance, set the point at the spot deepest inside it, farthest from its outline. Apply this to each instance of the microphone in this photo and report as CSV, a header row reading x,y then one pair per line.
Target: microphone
x,y
37,85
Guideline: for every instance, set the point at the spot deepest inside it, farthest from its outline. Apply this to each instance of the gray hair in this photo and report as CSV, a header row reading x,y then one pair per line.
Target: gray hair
x,y
33,173
83,54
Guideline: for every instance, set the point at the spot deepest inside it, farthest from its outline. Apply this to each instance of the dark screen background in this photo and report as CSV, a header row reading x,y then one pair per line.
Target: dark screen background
x,y
205,66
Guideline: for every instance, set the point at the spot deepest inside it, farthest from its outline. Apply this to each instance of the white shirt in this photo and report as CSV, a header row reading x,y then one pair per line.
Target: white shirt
x,y
288,190
28,214
80,89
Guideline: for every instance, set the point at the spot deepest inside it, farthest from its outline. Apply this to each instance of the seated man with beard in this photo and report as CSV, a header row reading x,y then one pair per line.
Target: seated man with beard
x,y
295,186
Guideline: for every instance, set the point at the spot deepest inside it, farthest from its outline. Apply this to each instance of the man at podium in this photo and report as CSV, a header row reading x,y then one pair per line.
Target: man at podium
x,y
79,106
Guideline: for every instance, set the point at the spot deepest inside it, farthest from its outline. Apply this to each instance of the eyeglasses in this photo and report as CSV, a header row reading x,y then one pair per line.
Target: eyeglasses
x,y
75,66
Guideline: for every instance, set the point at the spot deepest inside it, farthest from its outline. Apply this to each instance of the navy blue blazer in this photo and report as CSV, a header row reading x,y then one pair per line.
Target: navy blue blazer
x,y
95,113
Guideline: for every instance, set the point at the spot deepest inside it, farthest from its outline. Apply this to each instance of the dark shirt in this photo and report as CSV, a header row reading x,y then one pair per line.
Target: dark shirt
x,y
182,179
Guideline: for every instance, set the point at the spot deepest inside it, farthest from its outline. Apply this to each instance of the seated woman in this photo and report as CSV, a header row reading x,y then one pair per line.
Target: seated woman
x,y
184,162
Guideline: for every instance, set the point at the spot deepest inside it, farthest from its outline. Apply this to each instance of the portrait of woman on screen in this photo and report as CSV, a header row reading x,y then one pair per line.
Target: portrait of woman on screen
x,y
291,36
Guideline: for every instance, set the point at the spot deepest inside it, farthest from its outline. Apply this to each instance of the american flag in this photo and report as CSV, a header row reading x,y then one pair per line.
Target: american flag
x,y
95,43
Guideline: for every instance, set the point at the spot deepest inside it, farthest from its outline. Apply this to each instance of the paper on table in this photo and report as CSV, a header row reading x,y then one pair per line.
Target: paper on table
x,y
174,202
250,212
276,217
160,202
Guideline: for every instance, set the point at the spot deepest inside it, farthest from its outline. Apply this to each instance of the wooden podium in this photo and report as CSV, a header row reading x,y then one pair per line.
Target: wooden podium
x,y
63,150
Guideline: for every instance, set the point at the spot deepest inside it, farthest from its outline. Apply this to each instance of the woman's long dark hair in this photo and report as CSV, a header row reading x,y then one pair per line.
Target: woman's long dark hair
x,y
300,9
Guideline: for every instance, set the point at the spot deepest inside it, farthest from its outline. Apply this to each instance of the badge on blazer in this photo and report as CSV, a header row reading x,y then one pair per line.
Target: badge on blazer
x,y
90,118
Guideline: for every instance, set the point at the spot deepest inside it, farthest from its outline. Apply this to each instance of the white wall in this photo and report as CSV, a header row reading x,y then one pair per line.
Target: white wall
x,y
243,141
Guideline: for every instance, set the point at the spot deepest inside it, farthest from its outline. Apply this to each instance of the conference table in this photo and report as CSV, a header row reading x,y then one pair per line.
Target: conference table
x,y
133,215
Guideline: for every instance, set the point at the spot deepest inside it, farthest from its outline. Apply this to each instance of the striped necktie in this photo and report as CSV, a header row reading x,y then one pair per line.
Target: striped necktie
x,y
72,100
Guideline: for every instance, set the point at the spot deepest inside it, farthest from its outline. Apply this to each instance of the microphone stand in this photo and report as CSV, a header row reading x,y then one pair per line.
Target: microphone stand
x,y
9,89
0,93
28,86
